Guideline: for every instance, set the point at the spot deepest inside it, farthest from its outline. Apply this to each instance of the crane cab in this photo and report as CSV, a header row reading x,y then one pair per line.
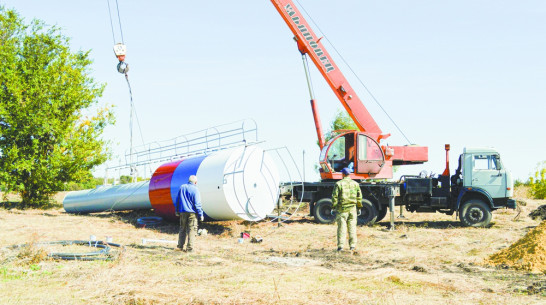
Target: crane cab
x,y
357,151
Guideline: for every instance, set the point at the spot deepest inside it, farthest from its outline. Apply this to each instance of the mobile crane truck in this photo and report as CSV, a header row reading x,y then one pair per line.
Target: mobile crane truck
x,y
480,184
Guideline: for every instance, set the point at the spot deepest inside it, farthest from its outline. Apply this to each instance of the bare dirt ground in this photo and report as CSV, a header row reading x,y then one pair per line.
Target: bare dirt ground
x,y
427,259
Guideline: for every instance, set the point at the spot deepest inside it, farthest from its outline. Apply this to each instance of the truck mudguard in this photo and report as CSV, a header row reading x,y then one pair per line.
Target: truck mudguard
x,y
476,190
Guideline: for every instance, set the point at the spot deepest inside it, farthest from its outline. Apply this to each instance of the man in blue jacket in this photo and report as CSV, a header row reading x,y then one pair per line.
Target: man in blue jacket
x,y
188,204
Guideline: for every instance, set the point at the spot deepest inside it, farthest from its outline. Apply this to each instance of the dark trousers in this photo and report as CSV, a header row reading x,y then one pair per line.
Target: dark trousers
x,y
188,228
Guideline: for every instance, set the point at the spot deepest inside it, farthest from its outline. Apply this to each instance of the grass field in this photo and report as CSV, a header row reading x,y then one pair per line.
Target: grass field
x,y
427,259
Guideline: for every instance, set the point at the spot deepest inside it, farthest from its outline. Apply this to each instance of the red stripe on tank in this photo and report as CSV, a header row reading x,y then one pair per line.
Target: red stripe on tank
x,y
160,189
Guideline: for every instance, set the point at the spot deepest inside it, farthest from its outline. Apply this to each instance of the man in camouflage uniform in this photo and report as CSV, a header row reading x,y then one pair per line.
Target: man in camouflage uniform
x,y
346,201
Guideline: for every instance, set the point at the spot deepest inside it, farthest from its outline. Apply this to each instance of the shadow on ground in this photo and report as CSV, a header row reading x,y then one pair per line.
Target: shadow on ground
x,y
298,220
168,226
423,224
17,205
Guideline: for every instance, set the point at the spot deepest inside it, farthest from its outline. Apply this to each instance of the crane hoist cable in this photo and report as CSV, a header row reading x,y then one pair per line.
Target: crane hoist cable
x,y
112,23
120,50
354,73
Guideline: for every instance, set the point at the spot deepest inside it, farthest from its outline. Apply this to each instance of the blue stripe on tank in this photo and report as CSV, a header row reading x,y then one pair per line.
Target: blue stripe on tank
x,y
182,173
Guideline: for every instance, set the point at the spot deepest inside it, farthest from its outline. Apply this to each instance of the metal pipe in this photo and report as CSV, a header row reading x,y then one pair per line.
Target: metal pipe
x,y
133,196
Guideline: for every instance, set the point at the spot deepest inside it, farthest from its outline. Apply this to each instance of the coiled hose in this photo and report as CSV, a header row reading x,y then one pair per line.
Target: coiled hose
x,y
103,254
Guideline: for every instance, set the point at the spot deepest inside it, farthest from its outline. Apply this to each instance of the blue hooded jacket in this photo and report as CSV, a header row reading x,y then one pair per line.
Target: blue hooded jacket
x,y
188,200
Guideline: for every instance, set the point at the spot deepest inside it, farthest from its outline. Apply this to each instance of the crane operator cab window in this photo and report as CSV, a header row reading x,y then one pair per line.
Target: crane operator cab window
x,y
363,157
370,156
341,152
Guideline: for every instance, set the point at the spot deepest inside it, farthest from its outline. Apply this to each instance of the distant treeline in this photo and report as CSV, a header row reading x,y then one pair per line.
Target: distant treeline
x,y
96,181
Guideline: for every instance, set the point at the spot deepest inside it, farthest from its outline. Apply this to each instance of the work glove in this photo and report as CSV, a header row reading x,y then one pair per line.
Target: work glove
x,y
202,218
358,212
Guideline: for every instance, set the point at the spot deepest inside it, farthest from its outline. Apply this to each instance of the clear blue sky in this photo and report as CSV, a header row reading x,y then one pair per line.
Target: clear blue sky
x,y
465,72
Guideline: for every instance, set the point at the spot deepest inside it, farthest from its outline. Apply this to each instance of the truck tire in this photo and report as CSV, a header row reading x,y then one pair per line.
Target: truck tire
x,y
381,214
368,213
322,211
475,213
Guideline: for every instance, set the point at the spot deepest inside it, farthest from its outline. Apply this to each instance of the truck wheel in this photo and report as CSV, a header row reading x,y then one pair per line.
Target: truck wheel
x,y
475,213
381,214
368,213
322,211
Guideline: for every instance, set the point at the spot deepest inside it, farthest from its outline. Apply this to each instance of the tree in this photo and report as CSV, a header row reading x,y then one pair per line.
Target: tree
x,y
538,183
50,125
341,121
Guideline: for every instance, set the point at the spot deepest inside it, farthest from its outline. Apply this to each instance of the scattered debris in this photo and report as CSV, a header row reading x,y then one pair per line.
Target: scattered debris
x,y
539,213
464,267
419,269
289,261
519,210
146,240
528,253
149,222
537,288
256,239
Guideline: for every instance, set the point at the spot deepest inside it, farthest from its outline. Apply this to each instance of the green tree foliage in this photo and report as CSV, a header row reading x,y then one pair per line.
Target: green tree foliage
x,y
46,138
96,181
538,183
341,121
83,185
125,179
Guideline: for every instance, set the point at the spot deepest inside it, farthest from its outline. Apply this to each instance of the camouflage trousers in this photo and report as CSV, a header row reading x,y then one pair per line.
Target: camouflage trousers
x,y
188,228
346,220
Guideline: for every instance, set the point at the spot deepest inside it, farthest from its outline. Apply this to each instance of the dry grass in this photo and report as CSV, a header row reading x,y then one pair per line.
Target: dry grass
x,y
522,192
427,259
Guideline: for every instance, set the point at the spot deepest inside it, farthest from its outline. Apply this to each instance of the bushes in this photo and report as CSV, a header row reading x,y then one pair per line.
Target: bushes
x,y
538,183
85,185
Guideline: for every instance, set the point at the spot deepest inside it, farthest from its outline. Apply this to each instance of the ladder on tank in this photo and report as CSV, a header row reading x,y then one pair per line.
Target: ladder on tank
x,y
202,142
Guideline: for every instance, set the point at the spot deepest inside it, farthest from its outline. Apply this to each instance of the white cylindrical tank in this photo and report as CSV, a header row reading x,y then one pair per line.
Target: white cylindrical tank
x,y
239,183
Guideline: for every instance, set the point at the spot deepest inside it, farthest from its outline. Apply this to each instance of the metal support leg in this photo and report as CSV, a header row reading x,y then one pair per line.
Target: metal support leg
x,y
391,206
390,193
401,216
279,212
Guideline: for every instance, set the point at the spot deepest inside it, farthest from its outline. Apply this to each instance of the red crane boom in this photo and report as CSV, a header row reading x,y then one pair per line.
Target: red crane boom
x,y
358,150
309,43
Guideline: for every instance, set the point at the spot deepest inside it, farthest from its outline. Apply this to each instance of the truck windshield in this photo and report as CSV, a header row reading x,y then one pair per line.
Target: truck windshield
x,y
487,162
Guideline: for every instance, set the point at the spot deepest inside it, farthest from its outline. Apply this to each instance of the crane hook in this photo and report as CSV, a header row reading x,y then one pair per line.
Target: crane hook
x,y
120,50
123,67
